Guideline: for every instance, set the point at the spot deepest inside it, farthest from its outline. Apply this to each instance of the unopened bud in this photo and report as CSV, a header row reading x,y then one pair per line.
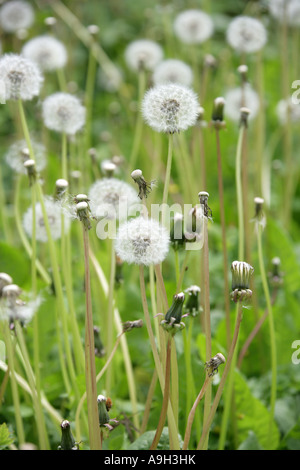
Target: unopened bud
x,y
172,321
241,273
67,440
29,165
218,113
244,116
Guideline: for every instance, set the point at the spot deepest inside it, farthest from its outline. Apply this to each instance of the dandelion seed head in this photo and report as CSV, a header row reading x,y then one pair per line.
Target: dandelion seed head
x,y
110,79
238,98
47,52
20,78
54,214
17,155
288,111
16,15
63,112
193,26
143,53
246,34
111,197
288,10
142,241
173,71
170,108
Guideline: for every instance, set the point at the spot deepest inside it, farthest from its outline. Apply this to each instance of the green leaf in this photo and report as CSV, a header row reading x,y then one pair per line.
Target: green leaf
x,y
250,443
15,263
6,439
145,440
252,415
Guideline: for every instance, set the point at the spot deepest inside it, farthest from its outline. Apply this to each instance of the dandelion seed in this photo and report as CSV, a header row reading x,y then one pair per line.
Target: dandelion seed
x,y
112,197
16,15
239,97
54,213
193,26
47,52
173,71
20,78
63,112
17,155
142,241
170,108
143,54
14,309
246,34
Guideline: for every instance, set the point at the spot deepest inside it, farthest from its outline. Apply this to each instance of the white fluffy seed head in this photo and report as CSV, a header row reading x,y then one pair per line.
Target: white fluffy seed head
x,y
112,198
63,112
20,78
170,108
288,111
142,241
47,52
173,71
143,53
54,213
246,34
16,15
288,10
17,155
193,26
238,98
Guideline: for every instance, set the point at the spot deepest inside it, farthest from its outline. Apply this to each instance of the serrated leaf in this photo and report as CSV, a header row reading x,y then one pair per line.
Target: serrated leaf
x,y
6,439
252,415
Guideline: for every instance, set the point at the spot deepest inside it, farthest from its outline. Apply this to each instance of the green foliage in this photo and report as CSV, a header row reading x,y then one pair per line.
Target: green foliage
x,y
6,438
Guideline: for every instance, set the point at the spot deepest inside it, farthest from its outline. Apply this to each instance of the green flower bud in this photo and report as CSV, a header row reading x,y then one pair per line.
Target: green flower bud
x,y
67,440
172,321
241,273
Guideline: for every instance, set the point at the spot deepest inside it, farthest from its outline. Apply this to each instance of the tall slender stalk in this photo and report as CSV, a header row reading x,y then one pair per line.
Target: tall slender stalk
x,y
173,431
110,313
90,368
167,177
139,121
193,412
164,407
14,385
271,329
219,392
224,239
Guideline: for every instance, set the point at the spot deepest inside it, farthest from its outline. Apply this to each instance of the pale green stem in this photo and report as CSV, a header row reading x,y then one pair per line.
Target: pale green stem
x,y
90,368
53,413
64,161
207,321
89,97
239,193
124,345
43,273
219,392
193,412
167,177
171,420
98,377
110,313
14,386
139,122
271,329
164,407
39,418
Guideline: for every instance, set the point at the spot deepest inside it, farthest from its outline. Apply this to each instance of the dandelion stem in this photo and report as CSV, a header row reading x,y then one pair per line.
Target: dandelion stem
x,y
14,386
110,312
193,412
90,368
271,329
164,407
219,392
139,120
239,192
172,423
167,178
39,418
224,244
